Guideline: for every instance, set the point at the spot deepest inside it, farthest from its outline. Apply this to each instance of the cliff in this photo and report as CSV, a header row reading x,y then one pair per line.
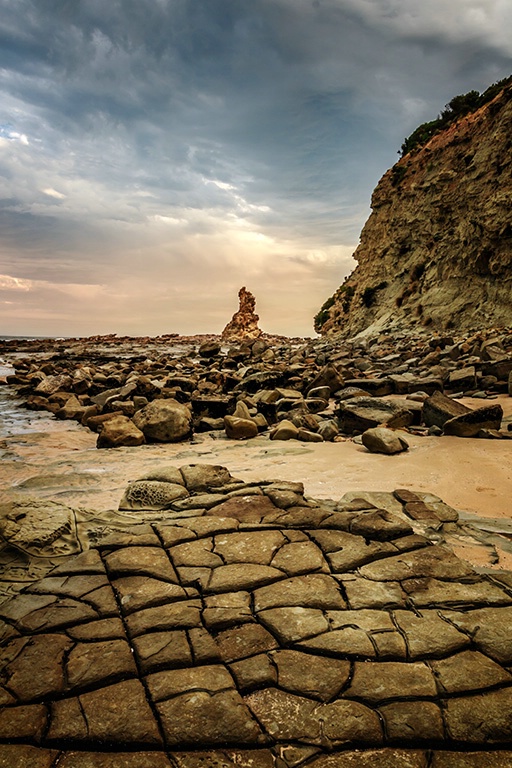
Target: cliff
x,y
436,250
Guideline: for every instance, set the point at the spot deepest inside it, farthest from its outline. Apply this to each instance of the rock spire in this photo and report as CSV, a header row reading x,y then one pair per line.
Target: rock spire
x,y
244,323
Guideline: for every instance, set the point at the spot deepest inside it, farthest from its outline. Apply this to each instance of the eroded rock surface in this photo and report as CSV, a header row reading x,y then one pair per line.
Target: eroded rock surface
x,y
256,627
244,323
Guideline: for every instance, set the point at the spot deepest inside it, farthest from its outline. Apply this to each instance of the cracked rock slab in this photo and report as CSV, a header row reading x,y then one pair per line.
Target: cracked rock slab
x,y
223,642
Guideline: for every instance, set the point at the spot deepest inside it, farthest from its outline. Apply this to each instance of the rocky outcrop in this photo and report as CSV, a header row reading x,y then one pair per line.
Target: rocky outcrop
x,y
437,248
244,323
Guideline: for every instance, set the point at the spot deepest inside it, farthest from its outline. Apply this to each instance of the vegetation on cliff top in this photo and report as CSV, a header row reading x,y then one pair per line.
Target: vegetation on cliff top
x,y
456,108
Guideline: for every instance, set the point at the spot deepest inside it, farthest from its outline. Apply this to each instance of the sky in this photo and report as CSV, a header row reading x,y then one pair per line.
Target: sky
x,y
157,155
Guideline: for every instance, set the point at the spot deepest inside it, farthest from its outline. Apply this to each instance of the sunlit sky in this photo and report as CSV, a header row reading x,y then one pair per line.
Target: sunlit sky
x,y
156,155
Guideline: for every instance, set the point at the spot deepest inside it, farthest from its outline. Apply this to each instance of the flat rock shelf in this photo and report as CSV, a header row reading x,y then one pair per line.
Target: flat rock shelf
x,y
260,630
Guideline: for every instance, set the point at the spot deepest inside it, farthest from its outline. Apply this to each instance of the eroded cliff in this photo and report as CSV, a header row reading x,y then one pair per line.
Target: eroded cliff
x,y
436,250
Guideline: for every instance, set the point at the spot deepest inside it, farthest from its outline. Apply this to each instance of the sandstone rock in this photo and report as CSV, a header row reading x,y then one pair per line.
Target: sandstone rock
x,y
51,384
463,379
164,421
151,494
209,349
361,413
328,376
470,424
72,409
239,429
119,431
40,528
439,408
285,430
244,323
382,440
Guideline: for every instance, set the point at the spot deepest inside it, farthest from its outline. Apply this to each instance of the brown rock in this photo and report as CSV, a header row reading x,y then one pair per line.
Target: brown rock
x,y
470,424
244,323
119,431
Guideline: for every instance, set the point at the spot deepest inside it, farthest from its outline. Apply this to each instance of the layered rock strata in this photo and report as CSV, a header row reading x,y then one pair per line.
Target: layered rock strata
x,y
437,248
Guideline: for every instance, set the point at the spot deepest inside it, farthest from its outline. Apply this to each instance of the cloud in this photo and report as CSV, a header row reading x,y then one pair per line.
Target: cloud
x,y
200,145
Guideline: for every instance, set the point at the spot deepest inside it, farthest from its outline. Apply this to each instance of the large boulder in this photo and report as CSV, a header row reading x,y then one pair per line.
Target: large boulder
x,y
362,413
470,424
439,408
238,428
117,432
164,421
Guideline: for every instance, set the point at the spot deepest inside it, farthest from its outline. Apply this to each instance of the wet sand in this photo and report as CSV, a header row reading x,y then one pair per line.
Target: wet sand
x,y
60,460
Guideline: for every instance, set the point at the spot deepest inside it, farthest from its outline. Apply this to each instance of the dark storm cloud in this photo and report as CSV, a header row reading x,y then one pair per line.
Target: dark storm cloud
x,y
150,126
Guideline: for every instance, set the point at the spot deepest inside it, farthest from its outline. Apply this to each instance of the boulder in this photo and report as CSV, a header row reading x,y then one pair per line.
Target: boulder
x,y
362,413
72,409
383,440
439,408
328,376
463,380
117,432
209,349
470,424
164,421
285,430
238,428
328,429
51,384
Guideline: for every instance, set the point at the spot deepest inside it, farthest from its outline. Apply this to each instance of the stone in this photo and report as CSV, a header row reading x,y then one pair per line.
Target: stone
x,y
247,509
244,641
285,430
164,421
481,719
416,720
375,682
151,495
468,671
316,676
470,424
361,413
314,723
439,408
204,477
53,383
383,440
327,376
102,716
119,431
72,409
463,379
39,527
427,634
239,429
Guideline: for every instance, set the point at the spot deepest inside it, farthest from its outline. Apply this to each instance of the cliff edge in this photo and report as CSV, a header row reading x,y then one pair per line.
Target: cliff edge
x,y
436,250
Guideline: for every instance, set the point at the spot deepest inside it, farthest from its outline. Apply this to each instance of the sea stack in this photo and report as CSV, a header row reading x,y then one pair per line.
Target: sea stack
x,y
244,323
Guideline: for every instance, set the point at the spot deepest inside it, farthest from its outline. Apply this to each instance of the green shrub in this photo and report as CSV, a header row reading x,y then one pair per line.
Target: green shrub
x,y
457,107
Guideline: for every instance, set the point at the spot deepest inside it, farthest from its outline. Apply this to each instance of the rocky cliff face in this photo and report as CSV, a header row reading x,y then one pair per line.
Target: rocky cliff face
x,y
437,249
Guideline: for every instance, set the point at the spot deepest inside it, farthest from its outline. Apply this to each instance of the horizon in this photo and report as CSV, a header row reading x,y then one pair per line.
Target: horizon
x,y
156,155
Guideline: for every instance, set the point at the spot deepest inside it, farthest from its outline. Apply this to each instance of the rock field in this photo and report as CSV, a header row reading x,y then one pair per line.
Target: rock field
x,y
218,622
